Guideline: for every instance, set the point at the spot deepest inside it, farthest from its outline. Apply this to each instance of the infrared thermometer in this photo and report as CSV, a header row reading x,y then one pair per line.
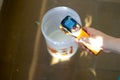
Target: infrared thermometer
x,y
71,27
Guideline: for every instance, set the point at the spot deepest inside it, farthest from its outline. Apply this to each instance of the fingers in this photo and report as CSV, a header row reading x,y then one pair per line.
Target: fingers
x,y
86,49
82,45
90,31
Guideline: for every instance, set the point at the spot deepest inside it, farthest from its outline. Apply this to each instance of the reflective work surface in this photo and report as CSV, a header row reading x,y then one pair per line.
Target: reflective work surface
x,y
23,50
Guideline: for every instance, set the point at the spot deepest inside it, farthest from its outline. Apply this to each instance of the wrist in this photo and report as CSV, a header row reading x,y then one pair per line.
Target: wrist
x,y
112,44
116,45
108,43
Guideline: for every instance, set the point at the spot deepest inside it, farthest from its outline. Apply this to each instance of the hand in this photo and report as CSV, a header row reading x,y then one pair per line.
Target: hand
x,y
97,39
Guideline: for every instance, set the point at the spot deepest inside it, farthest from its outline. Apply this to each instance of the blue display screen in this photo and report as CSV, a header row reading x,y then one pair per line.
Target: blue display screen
x,y
69,23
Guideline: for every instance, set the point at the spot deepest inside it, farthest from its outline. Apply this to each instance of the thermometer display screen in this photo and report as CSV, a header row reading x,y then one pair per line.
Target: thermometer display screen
x,y
69,23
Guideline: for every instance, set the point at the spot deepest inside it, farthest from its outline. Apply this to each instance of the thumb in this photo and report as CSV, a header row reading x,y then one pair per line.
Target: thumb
x,y
85,40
